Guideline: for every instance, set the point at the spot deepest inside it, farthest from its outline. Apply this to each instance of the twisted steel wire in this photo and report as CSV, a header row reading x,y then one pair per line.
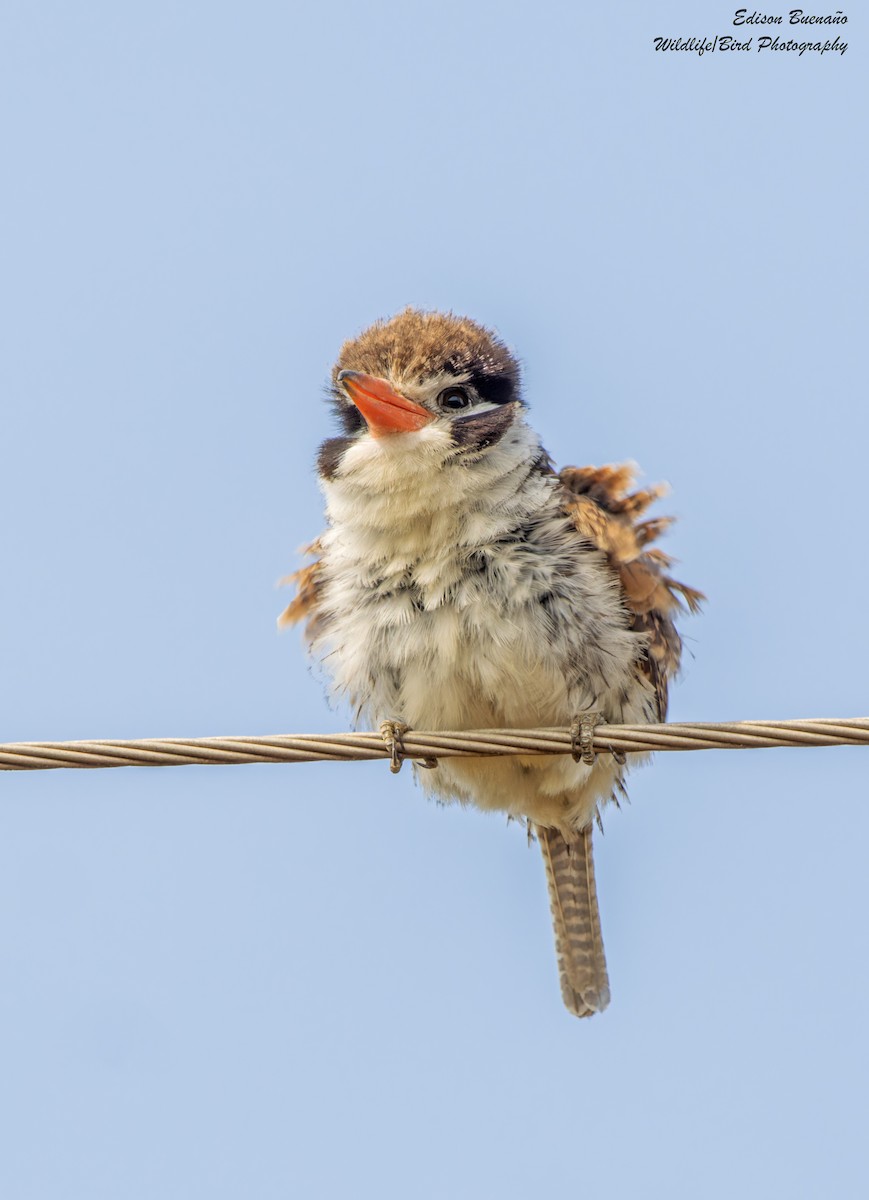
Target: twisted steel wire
x,y
418,744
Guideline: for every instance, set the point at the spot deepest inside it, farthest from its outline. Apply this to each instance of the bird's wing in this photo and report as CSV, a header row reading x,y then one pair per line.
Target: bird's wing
x,y
607,514
305,605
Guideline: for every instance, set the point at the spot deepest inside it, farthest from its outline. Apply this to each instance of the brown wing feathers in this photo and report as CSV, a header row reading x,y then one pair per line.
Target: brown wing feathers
x,y
304,606
605,512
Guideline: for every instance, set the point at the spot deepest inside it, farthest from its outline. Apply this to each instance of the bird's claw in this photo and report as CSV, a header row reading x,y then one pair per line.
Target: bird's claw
x,y
392,733
582,737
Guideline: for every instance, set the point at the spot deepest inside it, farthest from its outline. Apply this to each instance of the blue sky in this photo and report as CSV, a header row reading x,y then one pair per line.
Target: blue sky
x,y
307,980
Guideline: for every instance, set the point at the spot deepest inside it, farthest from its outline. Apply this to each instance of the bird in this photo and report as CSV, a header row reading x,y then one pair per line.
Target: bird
x,y
462,582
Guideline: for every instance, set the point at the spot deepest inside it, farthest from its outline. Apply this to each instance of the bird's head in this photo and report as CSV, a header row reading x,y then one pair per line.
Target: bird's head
x,y
419,384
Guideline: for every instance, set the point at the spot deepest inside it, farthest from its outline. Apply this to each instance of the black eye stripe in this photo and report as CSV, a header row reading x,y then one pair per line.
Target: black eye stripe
x,y
493,389
480,430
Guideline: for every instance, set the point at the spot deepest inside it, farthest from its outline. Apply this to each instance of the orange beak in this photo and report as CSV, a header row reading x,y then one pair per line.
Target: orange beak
x,y
385,410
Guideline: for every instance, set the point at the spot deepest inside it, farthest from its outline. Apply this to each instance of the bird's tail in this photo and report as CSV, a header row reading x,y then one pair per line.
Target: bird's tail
x,y
575,915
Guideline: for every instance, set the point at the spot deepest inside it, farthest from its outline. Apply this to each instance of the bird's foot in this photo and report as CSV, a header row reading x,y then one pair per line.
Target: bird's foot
x,y
392,732
582,729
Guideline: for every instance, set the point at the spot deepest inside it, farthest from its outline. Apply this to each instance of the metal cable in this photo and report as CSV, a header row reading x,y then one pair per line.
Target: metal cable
x,y
416,744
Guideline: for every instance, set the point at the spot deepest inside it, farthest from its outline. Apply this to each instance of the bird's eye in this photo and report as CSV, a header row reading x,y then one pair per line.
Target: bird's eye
x,y
453,398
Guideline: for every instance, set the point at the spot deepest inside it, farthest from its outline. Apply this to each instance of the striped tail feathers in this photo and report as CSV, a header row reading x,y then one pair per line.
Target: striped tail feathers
x,y
576,920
